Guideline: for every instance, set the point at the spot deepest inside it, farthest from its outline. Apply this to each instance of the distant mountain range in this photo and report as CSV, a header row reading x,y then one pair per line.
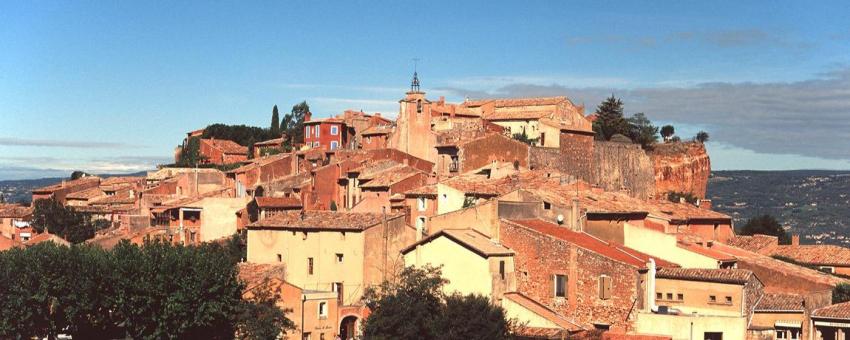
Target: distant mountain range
x,y
812,203
20,190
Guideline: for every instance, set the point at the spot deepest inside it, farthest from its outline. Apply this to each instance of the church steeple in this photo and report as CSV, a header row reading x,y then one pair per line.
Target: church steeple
x,y
414,85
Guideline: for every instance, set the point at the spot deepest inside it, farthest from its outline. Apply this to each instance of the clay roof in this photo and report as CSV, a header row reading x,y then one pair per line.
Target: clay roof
x,y
86,194
820,254
116,180
7,243
227,146
253,274
527,332
257,162
470,239
67,184
371,204
14,210
45,237
278,202
388,177
270,142
792,271
325,120
836,311
368,170
683,213
511,102
120,197
377,130
731,276
541,310
772,302
321,220
753,243
292,181
610,250
425,190
704,251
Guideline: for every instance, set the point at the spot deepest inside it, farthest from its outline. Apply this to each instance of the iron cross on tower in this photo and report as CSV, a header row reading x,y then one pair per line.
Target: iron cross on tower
x,y
414,85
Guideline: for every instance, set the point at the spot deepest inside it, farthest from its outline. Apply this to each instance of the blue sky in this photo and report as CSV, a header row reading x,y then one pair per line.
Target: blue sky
x,y
113,86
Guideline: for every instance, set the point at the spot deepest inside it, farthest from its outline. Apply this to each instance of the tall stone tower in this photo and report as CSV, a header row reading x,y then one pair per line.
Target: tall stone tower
x,y
413,126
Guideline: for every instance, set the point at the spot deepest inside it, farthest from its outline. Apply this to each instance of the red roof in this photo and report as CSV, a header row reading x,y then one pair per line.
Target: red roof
x,y
278,202
613,251
541,310
836,311
227,146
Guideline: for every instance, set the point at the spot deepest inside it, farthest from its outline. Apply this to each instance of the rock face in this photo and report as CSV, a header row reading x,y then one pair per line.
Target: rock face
x,y
681,167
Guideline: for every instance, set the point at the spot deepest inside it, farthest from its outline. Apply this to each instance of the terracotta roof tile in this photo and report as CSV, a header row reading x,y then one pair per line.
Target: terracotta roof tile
x,y
377,130
820,254
753,243
541,310
7,243
469,238
67,184
86,194
278,202
14,210
512,102
731,276
772,302
613,251
321,220
270,142
425,190
227,146
704,251
836,311
391,176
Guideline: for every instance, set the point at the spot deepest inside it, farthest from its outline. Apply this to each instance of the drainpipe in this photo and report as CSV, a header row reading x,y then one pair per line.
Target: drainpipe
x,y
650,285
303,299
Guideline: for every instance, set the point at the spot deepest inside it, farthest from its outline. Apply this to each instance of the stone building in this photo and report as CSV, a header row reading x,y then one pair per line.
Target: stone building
x,y
222,151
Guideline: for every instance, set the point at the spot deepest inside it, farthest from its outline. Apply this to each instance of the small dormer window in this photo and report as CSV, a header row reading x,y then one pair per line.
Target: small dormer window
x,y
419,106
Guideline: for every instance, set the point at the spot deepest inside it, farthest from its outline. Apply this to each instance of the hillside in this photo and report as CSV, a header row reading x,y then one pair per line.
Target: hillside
x,y
812,203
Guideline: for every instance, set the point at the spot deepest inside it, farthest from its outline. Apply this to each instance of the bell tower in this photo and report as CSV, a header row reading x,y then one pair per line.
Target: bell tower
x,y
413,126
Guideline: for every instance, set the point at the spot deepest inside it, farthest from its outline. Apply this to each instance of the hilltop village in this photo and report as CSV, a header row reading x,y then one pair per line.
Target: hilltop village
x,y
568,234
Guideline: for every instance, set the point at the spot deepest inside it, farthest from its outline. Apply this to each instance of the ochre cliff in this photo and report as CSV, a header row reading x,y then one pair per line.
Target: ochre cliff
x,y
681,167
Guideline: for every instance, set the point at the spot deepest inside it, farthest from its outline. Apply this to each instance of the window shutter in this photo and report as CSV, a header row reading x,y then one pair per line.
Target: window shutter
x,y
604,287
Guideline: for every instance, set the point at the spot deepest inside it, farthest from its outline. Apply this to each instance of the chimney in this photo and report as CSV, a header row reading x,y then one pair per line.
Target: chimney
x,y
795,240
704,204
307,116
377,114
574,218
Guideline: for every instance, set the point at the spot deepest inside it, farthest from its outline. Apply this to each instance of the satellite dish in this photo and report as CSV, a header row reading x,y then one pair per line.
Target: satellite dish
x,y
560,219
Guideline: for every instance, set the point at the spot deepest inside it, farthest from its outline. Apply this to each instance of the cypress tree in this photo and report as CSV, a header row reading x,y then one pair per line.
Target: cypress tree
x,y
275,127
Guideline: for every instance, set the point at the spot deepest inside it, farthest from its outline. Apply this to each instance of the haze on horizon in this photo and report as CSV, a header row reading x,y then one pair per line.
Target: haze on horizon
x,y
113,87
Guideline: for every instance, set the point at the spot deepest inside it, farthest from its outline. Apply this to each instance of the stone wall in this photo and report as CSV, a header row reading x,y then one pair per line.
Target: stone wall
x,y
495,147
681,167
577,150
620,166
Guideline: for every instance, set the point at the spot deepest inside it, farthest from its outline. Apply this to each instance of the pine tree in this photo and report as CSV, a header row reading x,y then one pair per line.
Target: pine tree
x,y
275,128
667,131
610,119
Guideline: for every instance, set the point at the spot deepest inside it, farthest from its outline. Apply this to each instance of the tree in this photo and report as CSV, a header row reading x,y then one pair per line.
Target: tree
x,y
275,127
766,225
523,137
841,293
77,174
293,123
472,317
190,155
407,308
667,131
642,131
701,137
609,119
333,206
675,197
260,318
51,216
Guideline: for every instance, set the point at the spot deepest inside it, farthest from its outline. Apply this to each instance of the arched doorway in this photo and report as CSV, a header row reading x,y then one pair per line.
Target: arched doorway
x,y
348,327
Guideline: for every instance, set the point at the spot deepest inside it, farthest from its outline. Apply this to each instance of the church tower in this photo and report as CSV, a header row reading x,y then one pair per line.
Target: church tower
x,y
413,126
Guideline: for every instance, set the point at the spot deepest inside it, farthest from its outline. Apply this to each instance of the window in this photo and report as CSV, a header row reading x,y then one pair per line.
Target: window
x,y
307,336
658,296
369,140
669,296
422,203
337,287
680,297
339,258
323,310
604,287
316,130
547,205
728,300
420,224
310,265
334,130
334,145
321,336
279,258
502,269
712,299
560,285
315,145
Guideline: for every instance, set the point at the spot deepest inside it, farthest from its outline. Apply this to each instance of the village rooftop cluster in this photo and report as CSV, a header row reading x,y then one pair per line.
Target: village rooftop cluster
x,y
562,232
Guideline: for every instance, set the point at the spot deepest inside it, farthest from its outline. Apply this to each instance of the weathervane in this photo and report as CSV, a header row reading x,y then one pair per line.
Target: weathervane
x,y
414,86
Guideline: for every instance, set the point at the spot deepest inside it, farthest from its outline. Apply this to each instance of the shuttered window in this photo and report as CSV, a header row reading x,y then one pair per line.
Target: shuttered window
x,y
604,287
560,285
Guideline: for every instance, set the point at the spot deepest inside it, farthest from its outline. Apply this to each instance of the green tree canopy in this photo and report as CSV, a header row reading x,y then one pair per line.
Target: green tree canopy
x,y
841,293
609,119
642,131
275,126
667,131
765,225
414,307
293,123
190,154
701,137
51,216
156,291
